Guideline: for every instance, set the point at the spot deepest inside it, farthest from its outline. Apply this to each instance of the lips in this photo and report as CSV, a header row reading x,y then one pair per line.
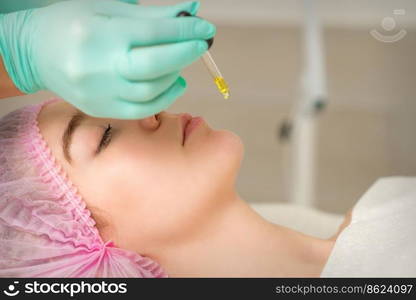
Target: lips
x,y
192,125
185,118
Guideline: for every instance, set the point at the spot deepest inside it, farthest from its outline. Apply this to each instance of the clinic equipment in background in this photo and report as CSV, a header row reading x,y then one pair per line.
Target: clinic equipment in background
x,y
212,66
300,127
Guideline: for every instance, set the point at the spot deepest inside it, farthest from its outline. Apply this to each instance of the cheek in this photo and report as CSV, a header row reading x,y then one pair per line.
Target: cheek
x,y
116,180
154,195
185,198
220,155
140,188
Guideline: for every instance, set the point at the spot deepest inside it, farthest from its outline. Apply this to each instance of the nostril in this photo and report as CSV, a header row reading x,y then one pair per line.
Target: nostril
x,y
158,120
151,122
158,116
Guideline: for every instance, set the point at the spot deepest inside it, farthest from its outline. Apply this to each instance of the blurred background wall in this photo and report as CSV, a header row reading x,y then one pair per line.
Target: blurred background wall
x,y
368,129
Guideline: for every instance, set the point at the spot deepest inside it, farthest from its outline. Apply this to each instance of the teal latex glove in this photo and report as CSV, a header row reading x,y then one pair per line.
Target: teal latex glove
x,y
107,58
7,6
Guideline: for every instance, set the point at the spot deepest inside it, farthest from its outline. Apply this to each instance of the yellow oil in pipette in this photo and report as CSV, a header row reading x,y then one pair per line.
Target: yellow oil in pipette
x,y
222,87
216,74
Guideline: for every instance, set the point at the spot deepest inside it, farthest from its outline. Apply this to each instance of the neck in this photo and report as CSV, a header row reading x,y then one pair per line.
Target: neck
x,y
240,243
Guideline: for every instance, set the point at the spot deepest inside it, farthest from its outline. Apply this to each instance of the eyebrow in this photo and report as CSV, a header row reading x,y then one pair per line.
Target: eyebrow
x,y
76,120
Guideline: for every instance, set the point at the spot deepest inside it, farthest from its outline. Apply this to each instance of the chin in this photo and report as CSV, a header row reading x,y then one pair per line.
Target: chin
x,y
229,150
232,141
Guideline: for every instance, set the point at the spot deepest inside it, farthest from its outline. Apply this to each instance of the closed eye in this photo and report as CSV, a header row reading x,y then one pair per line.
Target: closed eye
x,y
105,139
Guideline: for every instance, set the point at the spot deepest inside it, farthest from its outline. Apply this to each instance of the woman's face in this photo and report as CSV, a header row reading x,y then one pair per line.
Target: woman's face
x,y
149,187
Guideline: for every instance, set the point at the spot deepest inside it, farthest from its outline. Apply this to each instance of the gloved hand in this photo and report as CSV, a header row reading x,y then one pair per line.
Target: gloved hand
x,y
107,58
8,6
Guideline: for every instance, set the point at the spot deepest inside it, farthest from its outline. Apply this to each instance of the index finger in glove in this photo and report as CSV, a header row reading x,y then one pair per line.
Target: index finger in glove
x,y
118,8
161,31
146,63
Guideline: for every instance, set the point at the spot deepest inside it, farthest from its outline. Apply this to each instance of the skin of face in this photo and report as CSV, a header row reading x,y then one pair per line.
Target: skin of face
x,y
149,188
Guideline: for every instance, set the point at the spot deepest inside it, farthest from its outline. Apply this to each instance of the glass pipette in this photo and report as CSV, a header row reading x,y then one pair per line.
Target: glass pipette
x,y
211,66
216,74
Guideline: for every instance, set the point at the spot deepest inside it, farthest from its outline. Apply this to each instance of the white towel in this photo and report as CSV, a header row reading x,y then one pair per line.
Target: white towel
x,y
381,239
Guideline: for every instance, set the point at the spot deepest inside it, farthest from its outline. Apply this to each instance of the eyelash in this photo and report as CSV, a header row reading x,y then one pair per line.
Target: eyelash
x,y
105,140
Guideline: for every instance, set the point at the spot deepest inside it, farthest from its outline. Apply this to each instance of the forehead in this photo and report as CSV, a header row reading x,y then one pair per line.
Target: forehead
x,y
55,110
52,120
54,116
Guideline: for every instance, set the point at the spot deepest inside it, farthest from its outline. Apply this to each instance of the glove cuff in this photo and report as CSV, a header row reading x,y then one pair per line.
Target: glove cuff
x,y
15,45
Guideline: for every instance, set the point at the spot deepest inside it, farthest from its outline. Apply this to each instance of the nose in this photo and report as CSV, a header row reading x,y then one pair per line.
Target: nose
x,y
151,122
